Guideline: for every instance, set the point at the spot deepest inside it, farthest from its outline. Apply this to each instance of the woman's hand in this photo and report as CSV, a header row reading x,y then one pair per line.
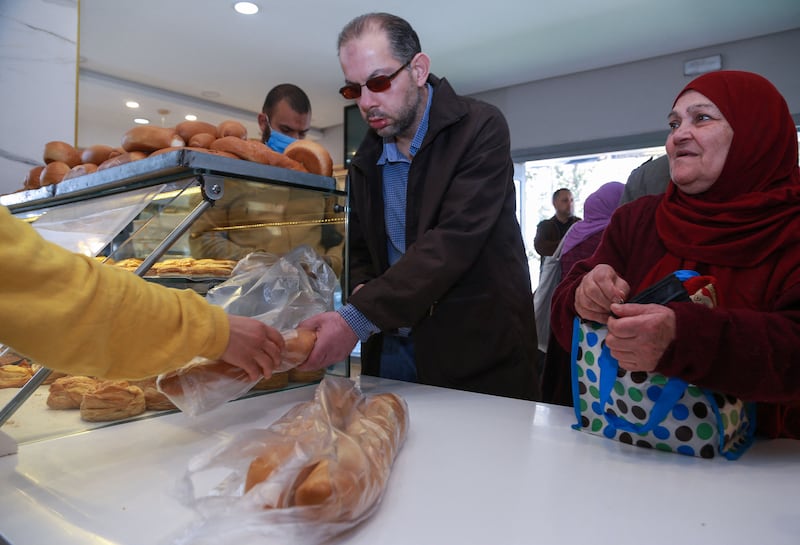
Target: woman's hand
x,y
640,334
598,289
253,346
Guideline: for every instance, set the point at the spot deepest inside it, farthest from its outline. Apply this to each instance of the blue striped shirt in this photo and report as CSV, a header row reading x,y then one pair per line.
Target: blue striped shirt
x,y
395,182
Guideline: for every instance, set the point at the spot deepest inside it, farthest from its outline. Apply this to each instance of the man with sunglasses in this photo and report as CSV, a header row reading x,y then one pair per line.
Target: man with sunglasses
x,y
439,283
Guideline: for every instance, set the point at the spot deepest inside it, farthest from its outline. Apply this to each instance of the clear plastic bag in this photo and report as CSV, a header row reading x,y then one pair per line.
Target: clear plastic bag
x,y
280,291
342,439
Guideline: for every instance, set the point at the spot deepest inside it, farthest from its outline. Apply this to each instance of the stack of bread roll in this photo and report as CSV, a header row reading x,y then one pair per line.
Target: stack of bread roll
x,y
63,161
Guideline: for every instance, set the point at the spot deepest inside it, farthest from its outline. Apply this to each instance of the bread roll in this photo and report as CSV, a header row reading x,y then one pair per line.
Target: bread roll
x,y
232,128
153,399
122,159
313,156
205,373
53,172
149,138
277,380
32,178
298,345
202,140
257,152
96,154
188,129
80,170
61,151
192,148
112,400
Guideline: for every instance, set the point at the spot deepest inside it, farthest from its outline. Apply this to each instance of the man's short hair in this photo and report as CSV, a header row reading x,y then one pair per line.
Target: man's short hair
x,y
294,95
557,191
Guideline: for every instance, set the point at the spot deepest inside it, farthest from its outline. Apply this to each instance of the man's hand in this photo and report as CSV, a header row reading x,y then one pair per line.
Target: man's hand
x,y
335,340
640,334
598,289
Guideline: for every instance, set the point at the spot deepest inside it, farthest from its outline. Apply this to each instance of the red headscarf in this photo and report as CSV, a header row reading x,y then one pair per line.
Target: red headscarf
x,y
752,212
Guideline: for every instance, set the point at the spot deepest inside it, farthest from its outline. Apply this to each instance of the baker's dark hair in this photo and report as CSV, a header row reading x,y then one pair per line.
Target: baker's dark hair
x,y
291,93
403,40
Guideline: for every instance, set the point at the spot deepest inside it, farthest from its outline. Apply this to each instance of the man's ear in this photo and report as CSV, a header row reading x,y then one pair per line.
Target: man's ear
x,y
263,121
420,68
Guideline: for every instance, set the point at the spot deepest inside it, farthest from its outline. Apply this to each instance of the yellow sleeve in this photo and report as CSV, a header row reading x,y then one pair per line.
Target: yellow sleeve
x,y
73,314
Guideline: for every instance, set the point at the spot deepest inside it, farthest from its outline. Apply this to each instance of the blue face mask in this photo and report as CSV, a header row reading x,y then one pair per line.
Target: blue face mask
x,y
278,142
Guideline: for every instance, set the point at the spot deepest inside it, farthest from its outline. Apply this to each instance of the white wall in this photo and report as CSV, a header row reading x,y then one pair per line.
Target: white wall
x,y
38,76
631,99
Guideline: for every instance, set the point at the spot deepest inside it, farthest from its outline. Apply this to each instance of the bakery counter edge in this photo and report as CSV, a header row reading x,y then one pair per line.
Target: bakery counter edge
x,y
475,469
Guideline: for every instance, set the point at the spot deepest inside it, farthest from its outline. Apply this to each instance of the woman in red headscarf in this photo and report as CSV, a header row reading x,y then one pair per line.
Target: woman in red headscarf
x,y
732,212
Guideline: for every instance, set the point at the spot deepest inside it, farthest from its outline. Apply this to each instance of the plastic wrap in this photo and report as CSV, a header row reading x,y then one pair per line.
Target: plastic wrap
x,y
319,470
280,291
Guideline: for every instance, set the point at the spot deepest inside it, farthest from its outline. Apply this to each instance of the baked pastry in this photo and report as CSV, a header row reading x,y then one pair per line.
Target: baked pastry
x,y
312,155
188,129
67,392
232,128
199,376
96,154
121,159
14,376
258,152
112,400
80,170
277,380
154,400
53,172
201,140
63,152
149,138
32,178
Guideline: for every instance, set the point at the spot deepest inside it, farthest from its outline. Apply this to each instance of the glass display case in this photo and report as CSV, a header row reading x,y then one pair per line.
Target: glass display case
x,y
182,219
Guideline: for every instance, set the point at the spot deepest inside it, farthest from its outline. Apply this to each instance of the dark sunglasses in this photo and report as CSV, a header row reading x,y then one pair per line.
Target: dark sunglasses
x,y
378,84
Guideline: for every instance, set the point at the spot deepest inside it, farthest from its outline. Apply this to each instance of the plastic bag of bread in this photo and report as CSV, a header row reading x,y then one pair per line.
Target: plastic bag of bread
x,y
317,471
279,291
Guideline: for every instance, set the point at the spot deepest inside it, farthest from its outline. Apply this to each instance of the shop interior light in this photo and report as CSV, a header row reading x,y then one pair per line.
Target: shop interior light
x,y
190,117
246,8
132,104
141,121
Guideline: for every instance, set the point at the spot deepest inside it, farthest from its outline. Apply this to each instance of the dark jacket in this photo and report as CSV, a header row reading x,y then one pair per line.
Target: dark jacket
x,y
463,285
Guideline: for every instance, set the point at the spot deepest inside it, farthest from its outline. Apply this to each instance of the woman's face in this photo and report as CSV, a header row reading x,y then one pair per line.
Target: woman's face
x,y
698,143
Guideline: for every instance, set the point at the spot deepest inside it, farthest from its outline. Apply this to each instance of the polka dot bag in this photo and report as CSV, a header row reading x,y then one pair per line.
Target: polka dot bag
x,y
648,409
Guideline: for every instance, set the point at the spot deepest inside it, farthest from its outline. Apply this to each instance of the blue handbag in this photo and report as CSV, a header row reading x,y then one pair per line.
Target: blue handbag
x,y
649,409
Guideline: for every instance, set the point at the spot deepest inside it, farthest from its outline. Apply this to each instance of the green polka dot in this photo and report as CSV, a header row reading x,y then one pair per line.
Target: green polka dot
x,y
694,391
597,424
658,379
579,370
705,431
619,389
583,405
724,420
734,418
635,394
595,393
588,358
663,446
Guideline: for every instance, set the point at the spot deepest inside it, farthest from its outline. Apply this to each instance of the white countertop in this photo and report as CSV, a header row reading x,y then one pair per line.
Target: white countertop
x,y
475,469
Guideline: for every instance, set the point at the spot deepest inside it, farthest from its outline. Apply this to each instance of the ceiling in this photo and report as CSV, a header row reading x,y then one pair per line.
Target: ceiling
x,y
184,56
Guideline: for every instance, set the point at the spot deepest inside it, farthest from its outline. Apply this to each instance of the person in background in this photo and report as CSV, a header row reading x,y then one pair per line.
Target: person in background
x,y
584,236
73,314
439,283
549,232
579,243
649,178
285,116
731,212
253,217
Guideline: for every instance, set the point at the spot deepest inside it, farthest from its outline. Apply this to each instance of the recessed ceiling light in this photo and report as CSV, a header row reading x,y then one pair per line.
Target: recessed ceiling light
x,y
141,121
132,104
190,117
245,8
